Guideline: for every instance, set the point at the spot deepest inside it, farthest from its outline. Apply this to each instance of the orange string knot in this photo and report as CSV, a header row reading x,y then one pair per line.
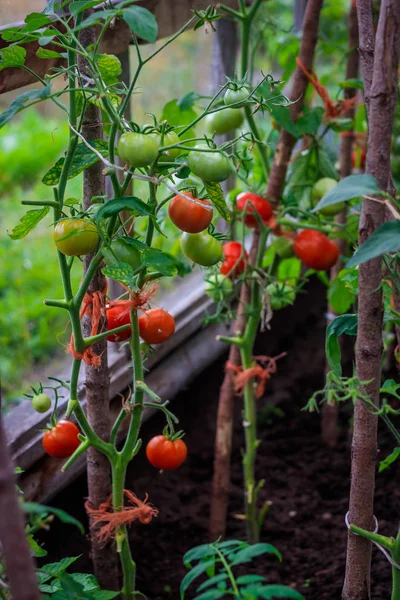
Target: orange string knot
x,y
264,367
333,110
137,510
139,299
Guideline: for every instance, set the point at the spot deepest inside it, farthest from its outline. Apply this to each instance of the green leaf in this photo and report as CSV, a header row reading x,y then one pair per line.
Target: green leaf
x,y
110,68
246,579
193,574
309,123
217,197
178,116
188,100
121,272
389,460
355,84
141,22
159,261
77,7
289,270
339,125
212,581
325,165
390,386
37,551
199,552
339,296
113,207
96,17
385,239
28,222
211,595
34,508
12,56
35,21
278,591
349,188
84,158
55,569
343,324
19,103
282,116
247,554
43,53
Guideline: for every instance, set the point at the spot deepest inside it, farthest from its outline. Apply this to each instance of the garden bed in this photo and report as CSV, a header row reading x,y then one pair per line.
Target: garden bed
x,y
307,483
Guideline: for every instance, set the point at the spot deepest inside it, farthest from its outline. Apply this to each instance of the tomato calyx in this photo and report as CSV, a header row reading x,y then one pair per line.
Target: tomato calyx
x,y
171,435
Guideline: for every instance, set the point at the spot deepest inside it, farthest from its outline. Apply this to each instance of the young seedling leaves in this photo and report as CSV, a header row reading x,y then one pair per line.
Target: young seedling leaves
x,y
214,581
349,188
121,272
131,203
216,195
211,595
84,158
19,103
389,460
40,509
12,56
385,239
247,554
28,222
193,574
343,324
141,22
203,551
270,592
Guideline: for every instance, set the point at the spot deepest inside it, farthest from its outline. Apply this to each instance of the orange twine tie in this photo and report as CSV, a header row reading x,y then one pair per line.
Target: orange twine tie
x,y
261,372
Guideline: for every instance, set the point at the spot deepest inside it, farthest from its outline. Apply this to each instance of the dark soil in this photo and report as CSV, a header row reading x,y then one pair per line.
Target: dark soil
x,y
307,484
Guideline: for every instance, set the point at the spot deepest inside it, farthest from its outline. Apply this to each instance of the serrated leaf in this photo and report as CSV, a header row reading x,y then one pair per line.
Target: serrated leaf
x,y
141,22
278,591
56,568
213,581
349,188
34,508
247,554
110,68
121,272
385,239
159,261
193,574
84,158
114,206
37,551
12,56
344,324
217,197
19,103
389,460
43,53
339,296
28,222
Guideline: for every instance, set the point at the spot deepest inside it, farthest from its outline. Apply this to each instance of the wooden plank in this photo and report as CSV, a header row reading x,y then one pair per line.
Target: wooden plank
x,y
170,15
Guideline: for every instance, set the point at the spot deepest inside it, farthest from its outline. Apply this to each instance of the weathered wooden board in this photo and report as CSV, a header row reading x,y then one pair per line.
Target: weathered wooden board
x,y
171,15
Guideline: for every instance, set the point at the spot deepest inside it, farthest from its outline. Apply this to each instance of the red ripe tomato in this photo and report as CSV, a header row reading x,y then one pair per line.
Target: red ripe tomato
x,y
156,326
166,454
235,259
62,440
253,204
188,216
116,317
315,250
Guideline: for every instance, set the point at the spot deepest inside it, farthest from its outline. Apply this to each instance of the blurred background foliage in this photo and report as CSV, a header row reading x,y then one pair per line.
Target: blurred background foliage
x,y
32,143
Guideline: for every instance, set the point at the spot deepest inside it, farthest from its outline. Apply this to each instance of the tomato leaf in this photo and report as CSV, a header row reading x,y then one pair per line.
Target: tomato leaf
x,y
77,7
289,270
212,594
179,116
19,103
193,574
43,53
272,591
121,272
84,158
28,222
325,165
12,56
246,579
113,207
385,239
343,324
389,460
213,581
36,550
349,188
96,17
199,552
390,386
217,197
339,296
282,117
110,68
141,22
160,261
309,123
40,509
247,554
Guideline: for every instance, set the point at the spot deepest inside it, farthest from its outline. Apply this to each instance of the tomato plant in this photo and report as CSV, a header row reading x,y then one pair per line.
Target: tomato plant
x,y
250,204
117,316
280,295
283,247
319,189
168,139
75,237
122,249
218,287
188,216
315,250
233,96
224,121
61,440
235,257
208,165
166,454
41,403
202,248
156,326
137,149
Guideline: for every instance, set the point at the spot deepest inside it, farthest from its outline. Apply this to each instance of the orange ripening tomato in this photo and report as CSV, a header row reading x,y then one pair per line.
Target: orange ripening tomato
x,y
253,204
315,250
156,326
62,440
166,454
188,216
235,258
116,317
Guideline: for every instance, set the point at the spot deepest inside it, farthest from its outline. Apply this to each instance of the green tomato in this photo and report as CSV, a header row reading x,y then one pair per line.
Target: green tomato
x,y
122,250
75,237
319,189
137,149
41,403
283,247
224,121
209,166
218,287
234,96
280,295
169,138
202,248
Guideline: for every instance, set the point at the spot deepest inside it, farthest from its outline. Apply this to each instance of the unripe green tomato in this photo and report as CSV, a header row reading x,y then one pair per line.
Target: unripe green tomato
x,y
169,139
319,189
209,166
283,247
224,121
41,403
233,96
137,149
218,287
280,295
202,248
122,251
